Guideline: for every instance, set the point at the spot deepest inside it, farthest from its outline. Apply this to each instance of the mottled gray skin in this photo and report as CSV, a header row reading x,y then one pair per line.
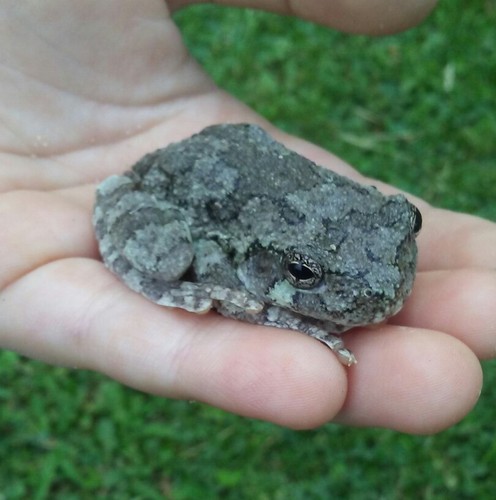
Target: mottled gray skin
x,y
229,219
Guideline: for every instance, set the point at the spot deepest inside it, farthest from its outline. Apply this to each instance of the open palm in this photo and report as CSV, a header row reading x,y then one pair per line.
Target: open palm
x,y
89,87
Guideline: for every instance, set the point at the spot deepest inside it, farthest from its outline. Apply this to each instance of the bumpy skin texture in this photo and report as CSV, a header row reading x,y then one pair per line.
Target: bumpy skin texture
x,y
232,220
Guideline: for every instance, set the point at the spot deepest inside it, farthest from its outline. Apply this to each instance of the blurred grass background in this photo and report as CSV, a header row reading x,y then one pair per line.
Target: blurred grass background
x,y
416,110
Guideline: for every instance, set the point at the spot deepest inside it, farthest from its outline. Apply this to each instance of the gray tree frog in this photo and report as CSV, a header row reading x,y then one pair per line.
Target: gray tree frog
x,y
231,220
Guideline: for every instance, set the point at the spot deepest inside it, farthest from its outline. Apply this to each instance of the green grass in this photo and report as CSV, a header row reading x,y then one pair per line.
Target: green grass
x,y
391,108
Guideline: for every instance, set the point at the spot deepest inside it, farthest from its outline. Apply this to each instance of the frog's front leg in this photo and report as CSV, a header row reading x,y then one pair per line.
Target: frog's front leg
x,y
284,318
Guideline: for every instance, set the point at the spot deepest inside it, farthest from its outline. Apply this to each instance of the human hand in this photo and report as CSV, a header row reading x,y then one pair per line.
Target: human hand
x,y
87,89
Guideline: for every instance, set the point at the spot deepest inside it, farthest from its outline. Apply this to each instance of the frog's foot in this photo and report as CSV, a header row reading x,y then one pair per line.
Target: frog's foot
x,y
192,297
238,299
336,345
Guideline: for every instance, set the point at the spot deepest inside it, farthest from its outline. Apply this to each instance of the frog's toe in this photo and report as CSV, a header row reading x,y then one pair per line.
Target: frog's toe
x,y
336,345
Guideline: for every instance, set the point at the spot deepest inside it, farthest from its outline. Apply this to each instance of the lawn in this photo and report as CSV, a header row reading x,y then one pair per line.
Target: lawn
x,y
416,110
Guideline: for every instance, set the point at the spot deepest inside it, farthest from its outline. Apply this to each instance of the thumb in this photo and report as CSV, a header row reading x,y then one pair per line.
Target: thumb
x,y
371,17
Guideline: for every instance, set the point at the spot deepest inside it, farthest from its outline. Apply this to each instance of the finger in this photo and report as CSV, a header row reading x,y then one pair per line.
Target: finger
x,y
360,16
39,227
406,379
415,381
81,316
460,303
450,240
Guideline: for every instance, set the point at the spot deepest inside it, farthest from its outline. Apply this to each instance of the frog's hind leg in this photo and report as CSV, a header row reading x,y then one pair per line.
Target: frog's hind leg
x,y
147,242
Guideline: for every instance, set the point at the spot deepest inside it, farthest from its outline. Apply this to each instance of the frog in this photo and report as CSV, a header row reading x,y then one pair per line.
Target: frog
x,y
231,220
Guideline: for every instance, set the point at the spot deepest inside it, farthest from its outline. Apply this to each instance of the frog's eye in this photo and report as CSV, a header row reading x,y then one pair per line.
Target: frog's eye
x,y
302,271
416,220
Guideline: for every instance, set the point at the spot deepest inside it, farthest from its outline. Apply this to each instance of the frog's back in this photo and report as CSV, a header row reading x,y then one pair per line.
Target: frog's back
x,y
228,165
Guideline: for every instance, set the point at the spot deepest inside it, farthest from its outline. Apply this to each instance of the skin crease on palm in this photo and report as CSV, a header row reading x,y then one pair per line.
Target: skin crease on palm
x,y
88,88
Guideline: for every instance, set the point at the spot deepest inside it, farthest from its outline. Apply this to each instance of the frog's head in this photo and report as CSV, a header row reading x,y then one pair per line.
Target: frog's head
x,y
355,272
